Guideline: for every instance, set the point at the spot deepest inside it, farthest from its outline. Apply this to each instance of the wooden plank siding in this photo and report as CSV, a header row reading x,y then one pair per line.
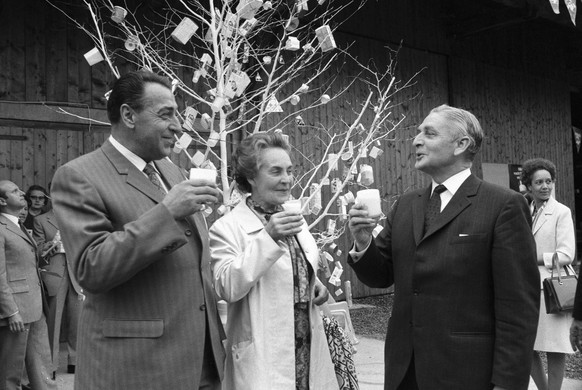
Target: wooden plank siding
x,y
523,117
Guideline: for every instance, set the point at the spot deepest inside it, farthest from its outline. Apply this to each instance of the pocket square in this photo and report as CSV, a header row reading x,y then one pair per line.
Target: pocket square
x,y
463,235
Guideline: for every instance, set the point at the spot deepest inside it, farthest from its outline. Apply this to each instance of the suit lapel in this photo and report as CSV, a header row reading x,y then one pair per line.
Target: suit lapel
x,y
418,208
50,219
460,201
545,215
134,177
10,226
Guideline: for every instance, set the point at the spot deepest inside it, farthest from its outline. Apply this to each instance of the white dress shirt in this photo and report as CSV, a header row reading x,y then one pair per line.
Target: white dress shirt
x,y
452,184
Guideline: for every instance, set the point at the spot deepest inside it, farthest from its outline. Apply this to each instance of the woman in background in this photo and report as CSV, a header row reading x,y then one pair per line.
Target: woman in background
x,y
265,263
36,198
553,231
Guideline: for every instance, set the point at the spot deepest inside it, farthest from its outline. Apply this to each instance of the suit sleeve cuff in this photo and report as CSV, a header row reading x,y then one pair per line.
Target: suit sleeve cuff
x,y
357,255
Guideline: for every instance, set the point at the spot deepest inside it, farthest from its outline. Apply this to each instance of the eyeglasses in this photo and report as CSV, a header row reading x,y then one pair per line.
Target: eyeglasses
x,y
37,197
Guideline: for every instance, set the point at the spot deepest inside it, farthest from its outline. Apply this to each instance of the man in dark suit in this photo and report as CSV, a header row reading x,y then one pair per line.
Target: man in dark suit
x,y
138,247
23,329
466,283
63,292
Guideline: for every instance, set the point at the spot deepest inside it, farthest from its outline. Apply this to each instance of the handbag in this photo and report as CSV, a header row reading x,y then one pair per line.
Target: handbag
x,y
559,291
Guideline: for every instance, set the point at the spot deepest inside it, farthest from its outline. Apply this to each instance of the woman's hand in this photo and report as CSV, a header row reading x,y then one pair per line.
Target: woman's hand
x,y
320,294
284,224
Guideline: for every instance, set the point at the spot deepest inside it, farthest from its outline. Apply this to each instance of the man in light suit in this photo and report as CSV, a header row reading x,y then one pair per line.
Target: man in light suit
x,y
139,249
466,286
63,292
23,329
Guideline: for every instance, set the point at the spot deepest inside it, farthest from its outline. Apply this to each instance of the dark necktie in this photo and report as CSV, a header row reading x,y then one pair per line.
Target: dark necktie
x,y
153,176
434,206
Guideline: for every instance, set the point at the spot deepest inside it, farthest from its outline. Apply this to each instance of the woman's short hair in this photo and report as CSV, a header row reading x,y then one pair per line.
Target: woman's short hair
x,y
467,125
246,157
531,166
35,187
128,89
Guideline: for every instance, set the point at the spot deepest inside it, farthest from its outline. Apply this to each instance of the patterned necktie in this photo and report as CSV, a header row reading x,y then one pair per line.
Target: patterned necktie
x,y
153,176
434,206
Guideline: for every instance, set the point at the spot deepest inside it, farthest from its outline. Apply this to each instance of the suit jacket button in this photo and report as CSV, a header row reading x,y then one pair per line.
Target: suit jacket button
x,y
415,292
188,232
203,307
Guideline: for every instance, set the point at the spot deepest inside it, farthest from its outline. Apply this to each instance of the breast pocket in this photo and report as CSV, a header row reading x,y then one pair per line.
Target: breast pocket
x,y
469,238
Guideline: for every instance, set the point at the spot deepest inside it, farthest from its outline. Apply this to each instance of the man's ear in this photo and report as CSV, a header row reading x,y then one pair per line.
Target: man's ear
x,y
3,202
127,115
462,144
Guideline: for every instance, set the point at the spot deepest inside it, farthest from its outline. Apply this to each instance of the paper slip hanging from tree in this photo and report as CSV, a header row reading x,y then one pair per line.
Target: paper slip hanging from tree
x,y
184,31
198,158
94,56
325,38
237,83
247,26
315,202
189,118
273,105
247,9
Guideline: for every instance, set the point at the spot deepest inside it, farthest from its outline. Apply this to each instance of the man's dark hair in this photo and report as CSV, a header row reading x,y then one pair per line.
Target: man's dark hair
x,y
128,89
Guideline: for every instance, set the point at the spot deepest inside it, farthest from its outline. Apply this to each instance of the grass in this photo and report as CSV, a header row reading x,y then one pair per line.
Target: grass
x,y
372,321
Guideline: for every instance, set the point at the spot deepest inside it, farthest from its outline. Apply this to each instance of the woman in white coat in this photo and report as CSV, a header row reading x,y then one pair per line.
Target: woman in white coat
x,y
553,231
265,264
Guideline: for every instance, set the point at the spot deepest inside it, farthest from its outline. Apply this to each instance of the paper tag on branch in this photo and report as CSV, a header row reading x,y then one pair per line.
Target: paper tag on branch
x,y
94,56
331,226
335,185
332,160
335,276
247,9
292,44
198,159
230,26
205,121
375,152
213,139
237,83
273,105
328,256
325,38
247,27
315,202
184,141
184,31
350,152
366,175
189,118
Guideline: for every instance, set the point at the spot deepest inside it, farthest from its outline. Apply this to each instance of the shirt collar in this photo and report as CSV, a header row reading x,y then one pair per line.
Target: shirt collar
x,y
133,158
454,182
13,218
